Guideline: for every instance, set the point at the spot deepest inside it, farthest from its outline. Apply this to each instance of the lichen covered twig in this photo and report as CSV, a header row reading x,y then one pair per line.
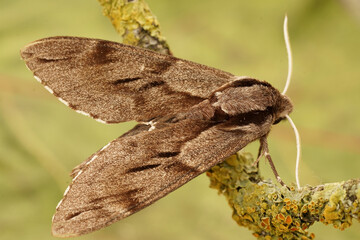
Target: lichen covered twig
x,y
274,212
134,21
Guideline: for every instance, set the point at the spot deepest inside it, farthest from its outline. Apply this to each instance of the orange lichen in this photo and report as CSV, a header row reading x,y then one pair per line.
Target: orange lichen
x,y
280,216
265,220
288,220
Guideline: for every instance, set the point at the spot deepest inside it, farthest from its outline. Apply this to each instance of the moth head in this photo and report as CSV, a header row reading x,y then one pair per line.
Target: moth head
x,y
283,107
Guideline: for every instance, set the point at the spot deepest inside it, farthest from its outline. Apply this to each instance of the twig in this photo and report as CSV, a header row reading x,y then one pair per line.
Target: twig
x,y
134,21
271,211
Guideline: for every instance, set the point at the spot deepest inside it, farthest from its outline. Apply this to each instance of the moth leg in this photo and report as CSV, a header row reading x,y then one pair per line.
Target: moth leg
x,y
264,151
260,154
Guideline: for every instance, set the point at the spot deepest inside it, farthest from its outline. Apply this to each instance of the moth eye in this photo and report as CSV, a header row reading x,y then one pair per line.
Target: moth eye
x,y
278,120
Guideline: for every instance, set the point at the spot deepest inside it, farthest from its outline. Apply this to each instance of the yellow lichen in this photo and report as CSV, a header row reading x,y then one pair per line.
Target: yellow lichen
x,y
134,21
248,217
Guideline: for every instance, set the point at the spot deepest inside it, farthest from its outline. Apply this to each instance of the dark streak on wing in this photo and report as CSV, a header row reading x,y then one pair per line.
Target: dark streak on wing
x,y
180,167
166,154
72,215
125,80
127,198
130,198
151,85
161,67
101,53
142,168
45,60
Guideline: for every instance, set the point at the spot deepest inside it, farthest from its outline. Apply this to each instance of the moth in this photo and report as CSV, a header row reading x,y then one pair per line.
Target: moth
x,y
190,118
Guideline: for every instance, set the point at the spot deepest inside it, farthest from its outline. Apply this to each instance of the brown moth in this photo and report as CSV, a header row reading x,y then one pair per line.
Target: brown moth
x,y
190,116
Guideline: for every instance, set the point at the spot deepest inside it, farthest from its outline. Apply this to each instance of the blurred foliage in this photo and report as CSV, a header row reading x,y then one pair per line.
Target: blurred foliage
x,y
41,140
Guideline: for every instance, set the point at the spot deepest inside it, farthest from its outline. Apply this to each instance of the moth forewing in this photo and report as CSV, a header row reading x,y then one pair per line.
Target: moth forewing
x,y
114,82
134,171
197,116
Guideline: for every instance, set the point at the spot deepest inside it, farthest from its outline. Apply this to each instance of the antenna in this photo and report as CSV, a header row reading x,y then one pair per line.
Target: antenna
x,y
288,79
288,49
298,150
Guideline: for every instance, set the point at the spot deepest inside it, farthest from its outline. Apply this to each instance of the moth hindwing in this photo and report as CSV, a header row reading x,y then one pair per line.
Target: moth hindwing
x,y
191,118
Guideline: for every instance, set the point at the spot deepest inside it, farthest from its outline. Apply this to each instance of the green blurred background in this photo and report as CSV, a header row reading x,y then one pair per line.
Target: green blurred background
x,y
41,140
